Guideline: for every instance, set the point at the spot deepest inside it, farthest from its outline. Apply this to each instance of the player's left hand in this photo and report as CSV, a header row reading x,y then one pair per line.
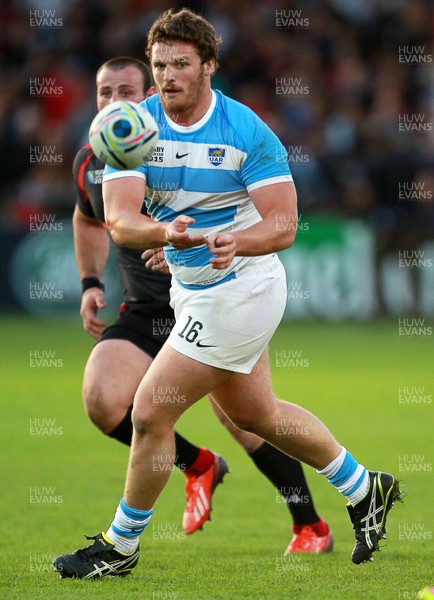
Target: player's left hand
x,y
178,236
224,247
155,260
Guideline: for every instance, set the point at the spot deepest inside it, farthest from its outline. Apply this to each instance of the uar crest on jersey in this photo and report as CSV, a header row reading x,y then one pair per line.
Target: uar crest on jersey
x,y
216,156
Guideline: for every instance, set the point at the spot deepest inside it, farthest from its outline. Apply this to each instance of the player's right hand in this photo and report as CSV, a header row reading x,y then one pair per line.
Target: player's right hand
x,y
178,236
91,301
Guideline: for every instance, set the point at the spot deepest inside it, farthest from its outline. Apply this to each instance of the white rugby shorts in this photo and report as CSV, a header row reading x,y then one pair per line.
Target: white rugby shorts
x,y
229,325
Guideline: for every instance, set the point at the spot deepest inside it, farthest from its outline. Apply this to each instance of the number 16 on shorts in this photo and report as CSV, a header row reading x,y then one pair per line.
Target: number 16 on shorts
x,y
190,332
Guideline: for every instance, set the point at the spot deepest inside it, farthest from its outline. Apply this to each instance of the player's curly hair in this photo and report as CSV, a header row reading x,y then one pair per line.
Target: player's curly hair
x,y
186,26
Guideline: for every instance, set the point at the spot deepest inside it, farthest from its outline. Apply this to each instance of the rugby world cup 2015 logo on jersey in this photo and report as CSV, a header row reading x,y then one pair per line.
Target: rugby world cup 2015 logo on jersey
x,y
95,177
216,156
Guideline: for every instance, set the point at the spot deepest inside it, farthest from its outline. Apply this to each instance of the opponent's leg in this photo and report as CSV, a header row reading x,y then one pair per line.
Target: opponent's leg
x,y
112,375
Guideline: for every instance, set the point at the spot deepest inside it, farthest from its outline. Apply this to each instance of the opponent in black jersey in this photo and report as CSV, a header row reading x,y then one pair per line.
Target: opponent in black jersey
x,y
143,286
125,350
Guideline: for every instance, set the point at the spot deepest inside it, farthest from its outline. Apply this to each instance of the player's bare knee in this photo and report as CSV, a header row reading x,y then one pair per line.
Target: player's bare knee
x,y
147,422
141,425
95,404
144,427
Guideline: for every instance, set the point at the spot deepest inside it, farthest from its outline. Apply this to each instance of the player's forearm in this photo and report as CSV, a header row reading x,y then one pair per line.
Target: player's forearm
x,y
268,236
91,245
123,199
137,231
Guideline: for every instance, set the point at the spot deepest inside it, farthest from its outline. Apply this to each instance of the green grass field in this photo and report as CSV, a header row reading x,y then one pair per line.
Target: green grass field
x,y
65,481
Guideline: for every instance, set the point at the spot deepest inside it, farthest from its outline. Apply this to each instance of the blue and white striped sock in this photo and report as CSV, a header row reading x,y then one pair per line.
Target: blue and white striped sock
x,y
127,526
348,477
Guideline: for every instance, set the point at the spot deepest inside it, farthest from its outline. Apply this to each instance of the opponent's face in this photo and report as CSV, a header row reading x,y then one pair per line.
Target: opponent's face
x,y
181,79
126,84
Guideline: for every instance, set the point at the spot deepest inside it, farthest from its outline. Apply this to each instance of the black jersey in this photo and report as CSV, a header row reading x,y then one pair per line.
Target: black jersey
x,y
140,284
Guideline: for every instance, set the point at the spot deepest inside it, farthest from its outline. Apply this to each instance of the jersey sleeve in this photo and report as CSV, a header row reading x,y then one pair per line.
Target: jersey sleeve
x,y
266,161
110,173
79,166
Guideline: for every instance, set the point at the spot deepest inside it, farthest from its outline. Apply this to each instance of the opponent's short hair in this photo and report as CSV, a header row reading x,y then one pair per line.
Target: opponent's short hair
x,y
121,62
186,26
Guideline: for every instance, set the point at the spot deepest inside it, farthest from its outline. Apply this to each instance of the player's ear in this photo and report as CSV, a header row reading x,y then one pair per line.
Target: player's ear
x,y
209,67
151,91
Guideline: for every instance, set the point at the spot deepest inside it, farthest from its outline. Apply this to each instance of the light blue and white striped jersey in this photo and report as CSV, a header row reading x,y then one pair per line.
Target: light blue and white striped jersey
x,y
206,171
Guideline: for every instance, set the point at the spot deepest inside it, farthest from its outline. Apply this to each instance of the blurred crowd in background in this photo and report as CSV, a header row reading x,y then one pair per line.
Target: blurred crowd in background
x,y
335,79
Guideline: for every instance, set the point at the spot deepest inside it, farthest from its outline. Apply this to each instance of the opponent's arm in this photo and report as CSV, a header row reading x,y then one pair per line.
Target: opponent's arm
x,y
91,247
155,260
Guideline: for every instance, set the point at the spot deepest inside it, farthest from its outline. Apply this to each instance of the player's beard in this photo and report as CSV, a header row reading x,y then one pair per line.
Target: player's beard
x,y
176,107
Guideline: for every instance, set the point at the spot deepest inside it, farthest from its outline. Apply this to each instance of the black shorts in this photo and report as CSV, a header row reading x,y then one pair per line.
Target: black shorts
x,y
145,329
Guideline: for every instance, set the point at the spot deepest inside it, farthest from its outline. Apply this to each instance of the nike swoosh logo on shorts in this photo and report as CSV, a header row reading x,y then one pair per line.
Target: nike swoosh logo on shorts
x,y
200,345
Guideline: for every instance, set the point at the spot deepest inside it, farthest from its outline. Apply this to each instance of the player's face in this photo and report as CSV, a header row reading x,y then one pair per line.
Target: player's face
x,y
126,84
182,81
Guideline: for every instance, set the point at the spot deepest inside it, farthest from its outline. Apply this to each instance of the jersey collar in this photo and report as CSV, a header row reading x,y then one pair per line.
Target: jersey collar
x,y
198,124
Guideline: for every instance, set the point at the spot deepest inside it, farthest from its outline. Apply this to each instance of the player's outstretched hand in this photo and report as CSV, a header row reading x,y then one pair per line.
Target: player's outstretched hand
x,y
91,301
178,236
224,247
154,259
